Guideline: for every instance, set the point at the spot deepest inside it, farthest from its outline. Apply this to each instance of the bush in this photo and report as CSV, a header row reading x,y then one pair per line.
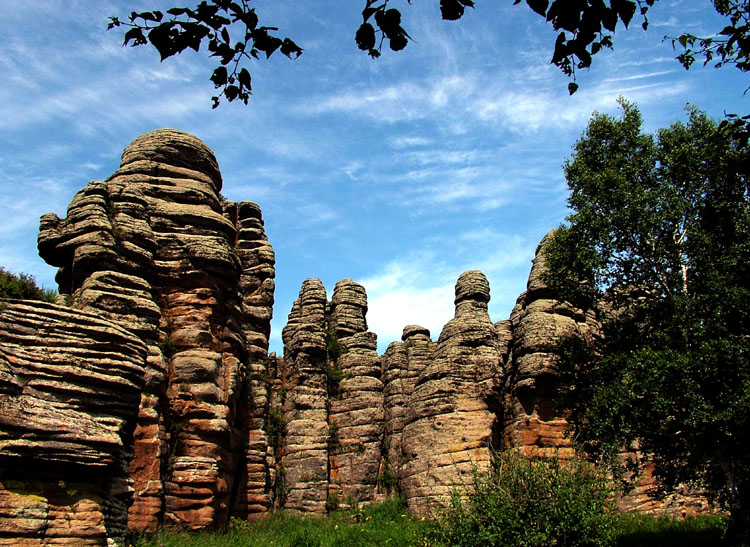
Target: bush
x,y
24,287
529,502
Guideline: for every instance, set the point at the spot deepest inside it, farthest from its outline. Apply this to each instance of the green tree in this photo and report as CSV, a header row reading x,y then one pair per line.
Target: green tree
x,y
234,35
23,286
659,242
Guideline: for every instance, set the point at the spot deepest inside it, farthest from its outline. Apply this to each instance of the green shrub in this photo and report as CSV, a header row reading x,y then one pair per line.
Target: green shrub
x,y
333,346
167,347
333,502
23,287
334,442
525,501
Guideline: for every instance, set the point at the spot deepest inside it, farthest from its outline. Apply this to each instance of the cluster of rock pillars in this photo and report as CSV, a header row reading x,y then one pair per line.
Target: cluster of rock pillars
x,y
147,395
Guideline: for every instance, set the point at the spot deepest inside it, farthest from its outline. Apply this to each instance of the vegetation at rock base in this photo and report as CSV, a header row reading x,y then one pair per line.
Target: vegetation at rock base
x,y
234,35
388,523
469,521
526,501
659,241
24,287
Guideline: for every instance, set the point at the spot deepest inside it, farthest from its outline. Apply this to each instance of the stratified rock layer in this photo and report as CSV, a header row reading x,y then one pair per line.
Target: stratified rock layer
x,y
538,323
332,409
302,464
70,383
356,399
156,249
450,421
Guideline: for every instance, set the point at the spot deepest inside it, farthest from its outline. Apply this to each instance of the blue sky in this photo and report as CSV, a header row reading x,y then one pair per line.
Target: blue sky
x,y
399,173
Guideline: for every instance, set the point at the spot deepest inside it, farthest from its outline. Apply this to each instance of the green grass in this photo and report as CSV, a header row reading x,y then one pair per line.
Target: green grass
x,y
638,530
386,524
390,524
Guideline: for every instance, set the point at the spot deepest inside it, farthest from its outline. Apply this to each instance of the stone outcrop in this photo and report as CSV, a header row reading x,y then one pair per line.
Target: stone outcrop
x,y
537,325
302,464
332,409
356,404
403,363
70,384
450,421
148,397
156,249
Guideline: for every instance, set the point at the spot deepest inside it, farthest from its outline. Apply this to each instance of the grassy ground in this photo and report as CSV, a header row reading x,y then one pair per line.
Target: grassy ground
x,y
390,524
385,524
647,530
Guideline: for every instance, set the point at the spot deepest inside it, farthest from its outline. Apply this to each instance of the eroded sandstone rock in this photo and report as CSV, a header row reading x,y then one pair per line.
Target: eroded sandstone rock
x,y
538,323
450,422
156,249
356,399
70,386
154,261
332,404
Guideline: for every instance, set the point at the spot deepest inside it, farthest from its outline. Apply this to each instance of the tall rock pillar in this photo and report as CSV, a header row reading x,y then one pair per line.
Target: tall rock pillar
x,y
451,424
156,249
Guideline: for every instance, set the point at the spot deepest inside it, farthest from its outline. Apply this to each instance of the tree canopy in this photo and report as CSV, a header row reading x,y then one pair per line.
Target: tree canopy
x,y
23,286
234,35
659,242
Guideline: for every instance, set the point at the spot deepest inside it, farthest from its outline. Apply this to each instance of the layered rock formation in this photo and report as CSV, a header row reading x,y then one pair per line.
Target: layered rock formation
x,y
161,353
157,249
70,383
537,325
450,420
332,410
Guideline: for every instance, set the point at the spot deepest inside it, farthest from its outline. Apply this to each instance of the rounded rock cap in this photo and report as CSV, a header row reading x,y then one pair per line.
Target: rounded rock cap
x,y
176,148
472,285
413,330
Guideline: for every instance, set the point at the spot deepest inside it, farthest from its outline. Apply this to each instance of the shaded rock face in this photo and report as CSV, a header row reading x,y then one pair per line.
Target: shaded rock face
x,y
70,386
537,325
534,423
157,250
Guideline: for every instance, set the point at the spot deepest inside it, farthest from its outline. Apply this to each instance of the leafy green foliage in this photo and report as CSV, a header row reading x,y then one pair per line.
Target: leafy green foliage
x,y
167,347
646,530
334,442
529,502
387,476
659,240
334,350
390,523
24,287
276,428
333,501
212,21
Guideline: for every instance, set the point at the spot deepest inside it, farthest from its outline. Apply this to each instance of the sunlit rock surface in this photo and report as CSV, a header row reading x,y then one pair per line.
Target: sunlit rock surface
x,y
157,249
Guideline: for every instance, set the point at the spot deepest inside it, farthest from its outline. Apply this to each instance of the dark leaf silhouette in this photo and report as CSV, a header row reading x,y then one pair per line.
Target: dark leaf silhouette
x,y
365,37
539,6
582,26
